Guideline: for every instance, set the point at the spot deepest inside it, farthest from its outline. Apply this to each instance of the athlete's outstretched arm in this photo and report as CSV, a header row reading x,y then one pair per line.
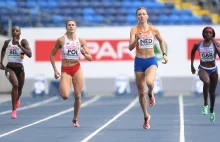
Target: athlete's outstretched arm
x,y
3,54
133,40
193,53
24,46
52,54
84,50
160,39
162,45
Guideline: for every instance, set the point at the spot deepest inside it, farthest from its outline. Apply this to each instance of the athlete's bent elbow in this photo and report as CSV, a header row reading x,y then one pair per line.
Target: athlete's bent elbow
x,y
30,55
161,40
90,59
130,48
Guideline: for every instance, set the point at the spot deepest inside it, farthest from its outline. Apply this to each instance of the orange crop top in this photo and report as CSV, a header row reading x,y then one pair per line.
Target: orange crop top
x,y
147,39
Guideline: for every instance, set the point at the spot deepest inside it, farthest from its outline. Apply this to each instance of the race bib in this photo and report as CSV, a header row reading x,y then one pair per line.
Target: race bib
x,y
147,41
72,50
207,55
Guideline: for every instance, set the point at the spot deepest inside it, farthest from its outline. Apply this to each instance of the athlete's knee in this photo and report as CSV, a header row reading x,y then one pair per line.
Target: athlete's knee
x,y
212,92
77,95
64,96
15,85
141,93
150,84
19,90
206,82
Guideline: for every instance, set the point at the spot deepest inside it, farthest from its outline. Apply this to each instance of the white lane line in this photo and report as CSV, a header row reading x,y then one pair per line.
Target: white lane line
x,y
181,109
113,119
94,99
5,99
32,105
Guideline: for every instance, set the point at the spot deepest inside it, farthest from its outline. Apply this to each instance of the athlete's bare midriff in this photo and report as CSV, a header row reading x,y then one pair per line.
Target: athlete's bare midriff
x,y
69,62
208,64
145,53
12,64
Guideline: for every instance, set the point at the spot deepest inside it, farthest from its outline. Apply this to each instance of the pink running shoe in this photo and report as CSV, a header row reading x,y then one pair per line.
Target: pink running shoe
x,y
18,103
146,124
151,100
75,123
13,114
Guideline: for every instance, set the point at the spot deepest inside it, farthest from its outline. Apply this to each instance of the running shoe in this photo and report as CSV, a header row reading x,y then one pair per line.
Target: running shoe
x,y
18,103
205,110
13,114
212,117
151,100
75,123
146,124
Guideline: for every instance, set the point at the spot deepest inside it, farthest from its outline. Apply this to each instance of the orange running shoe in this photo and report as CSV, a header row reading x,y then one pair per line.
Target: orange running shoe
x,y
75,123
13,114
18,103
151,100
146,124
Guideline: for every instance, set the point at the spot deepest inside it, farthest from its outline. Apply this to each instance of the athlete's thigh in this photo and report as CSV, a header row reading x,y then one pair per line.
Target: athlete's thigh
x,y
203,75
10,74
150,73
213,80
21,79
78,81
140,81
65,84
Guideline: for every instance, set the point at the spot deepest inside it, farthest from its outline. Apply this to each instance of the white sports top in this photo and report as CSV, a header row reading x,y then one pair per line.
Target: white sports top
x,y
207,54
70,49
15,54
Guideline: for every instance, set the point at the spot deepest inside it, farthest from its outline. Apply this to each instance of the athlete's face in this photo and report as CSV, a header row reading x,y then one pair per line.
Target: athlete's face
x,y
208,34
142,15
16,31
71,27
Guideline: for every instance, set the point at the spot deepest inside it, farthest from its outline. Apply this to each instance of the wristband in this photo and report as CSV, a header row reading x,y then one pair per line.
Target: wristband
x,y
164,54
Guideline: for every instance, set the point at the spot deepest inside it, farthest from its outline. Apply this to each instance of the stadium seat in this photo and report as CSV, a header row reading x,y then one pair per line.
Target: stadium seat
x,y
103,12
164,20
131,19
57,19
175,20
206,19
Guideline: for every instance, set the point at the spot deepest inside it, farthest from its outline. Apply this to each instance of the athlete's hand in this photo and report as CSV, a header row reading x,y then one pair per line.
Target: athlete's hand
x,y
56,74
193,70
82,51
215,43
16,40
165,59
2,67
139,35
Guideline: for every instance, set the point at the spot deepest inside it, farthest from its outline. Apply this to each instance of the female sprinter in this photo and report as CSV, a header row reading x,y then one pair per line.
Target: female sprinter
x,y
208,71
14,71
70,46
145,63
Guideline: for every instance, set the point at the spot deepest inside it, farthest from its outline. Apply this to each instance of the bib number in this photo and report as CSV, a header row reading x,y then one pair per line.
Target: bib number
x,y
146,43
13,52
72,52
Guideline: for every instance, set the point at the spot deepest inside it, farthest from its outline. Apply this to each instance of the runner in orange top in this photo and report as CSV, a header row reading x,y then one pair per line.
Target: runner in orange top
x,y
145,64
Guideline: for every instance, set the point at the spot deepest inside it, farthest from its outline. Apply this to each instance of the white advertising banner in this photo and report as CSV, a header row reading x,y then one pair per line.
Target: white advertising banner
x,y
109,49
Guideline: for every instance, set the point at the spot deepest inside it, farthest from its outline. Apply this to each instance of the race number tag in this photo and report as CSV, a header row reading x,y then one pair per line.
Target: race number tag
x,y
207,55
72,50
147,41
